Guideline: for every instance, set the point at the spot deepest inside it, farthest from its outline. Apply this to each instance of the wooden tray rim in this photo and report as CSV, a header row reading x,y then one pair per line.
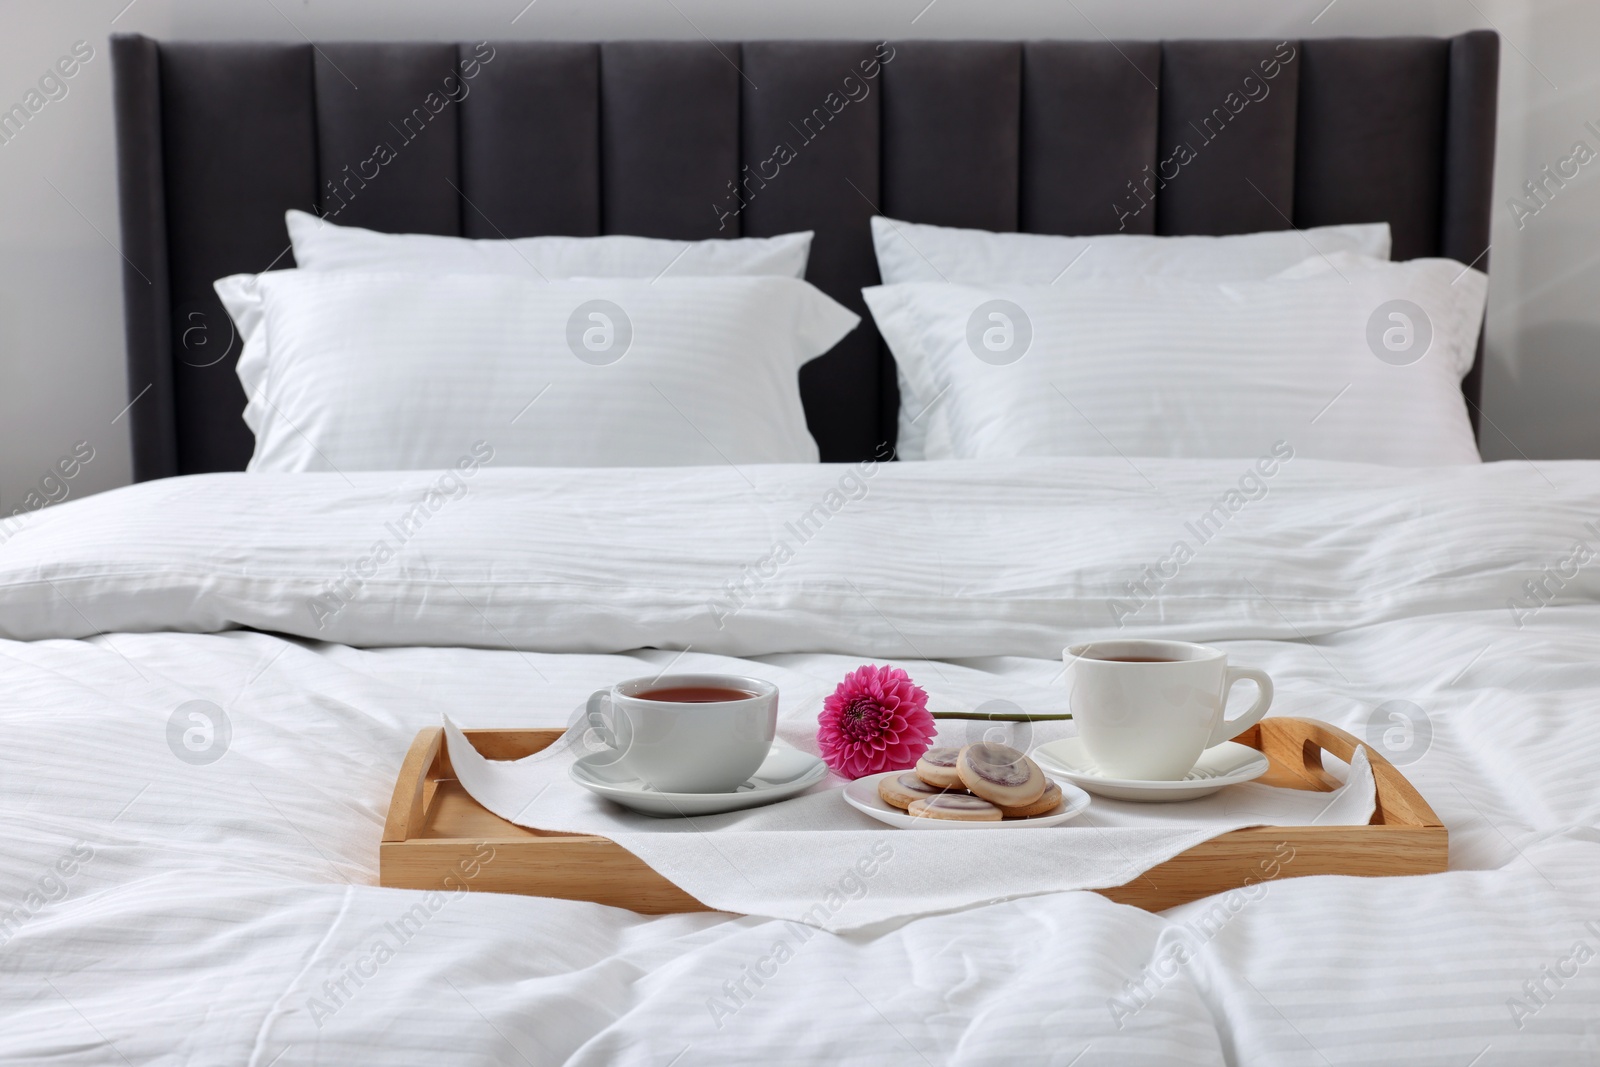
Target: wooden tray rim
x,y
1292,743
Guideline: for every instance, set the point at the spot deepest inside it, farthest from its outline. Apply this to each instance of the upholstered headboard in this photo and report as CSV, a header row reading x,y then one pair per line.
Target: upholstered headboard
x,y
654,138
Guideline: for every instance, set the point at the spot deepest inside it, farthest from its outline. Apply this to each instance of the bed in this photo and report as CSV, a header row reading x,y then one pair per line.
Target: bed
x,y
185,898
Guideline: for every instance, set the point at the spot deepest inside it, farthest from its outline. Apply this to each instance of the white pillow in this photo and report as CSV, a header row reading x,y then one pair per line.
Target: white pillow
x,y
914,252
1153,366
407,371
320,245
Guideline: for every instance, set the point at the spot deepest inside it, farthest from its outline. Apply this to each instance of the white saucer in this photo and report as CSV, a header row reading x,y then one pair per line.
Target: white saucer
x,y
785,772
1227,764
862,794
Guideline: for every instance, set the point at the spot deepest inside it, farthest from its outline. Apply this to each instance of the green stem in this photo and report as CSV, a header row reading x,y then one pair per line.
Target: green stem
x,y
999,716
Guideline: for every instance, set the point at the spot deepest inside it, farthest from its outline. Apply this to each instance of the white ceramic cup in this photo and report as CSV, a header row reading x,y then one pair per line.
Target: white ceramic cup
x,y
686,747
1149,721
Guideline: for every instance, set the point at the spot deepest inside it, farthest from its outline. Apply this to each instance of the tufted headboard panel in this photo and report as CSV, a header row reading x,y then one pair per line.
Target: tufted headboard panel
x,y
695,140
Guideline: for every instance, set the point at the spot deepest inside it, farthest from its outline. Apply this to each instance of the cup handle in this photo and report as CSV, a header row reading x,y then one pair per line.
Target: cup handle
x,y
1228,729
602,719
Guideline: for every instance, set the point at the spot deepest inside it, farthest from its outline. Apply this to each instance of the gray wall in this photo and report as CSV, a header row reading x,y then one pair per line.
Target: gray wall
x,y
61,373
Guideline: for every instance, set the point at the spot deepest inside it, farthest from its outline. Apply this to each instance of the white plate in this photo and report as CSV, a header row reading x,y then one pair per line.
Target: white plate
x,y
1227,764
862,794
785,772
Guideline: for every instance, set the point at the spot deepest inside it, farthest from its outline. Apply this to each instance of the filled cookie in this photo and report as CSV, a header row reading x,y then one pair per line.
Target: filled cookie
x,y
1048,801
899,790
1000,774
937,767
956,806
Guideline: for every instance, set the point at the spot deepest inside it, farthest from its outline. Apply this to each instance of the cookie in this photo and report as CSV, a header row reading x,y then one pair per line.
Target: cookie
x,y
899,790
1048,801
937,767
956,806
1000,774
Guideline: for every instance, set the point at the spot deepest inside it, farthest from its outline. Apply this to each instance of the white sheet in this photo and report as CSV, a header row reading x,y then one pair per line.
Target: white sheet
x,y
1017,557
219,898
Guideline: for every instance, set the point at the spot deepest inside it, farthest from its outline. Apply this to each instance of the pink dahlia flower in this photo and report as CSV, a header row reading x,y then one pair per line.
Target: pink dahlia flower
x,y
877,720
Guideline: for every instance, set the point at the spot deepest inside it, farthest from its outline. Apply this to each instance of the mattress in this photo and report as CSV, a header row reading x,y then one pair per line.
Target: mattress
x,y
203,890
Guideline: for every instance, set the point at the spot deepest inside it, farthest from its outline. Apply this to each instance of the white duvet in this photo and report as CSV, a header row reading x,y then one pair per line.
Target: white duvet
x,y
176,894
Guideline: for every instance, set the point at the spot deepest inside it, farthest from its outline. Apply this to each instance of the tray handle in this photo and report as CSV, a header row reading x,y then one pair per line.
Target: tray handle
x,y
1298,744
406,806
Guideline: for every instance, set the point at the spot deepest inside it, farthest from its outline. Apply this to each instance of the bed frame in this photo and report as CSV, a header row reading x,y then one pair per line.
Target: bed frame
x,y
680,139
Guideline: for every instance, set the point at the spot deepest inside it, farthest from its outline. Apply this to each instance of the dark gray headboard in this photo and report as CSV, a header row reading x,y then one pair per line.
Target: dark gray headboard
x,y
216,140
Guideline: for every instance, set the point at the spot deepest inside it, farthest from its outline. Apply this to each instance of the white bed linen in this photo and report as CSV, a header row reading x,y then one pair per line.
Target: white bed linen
x,y
322,245
920,252
218,899
349,371
917,252
1017,557
1193,368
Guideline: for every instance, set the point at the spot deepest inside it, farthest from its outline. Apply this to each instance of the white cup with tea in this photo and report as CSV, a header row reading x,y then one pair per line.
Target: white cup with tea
x,y
1146,710
686,733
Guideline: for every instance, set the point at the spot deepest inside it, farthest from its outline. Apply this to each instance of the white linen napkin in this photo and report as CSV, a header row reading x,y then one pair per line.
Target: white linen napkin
x,y
815,860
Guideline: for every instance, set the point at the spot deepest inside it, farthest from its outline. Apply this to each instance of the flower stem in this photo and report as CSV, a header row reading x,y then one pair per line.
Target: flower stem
x,y
1000,716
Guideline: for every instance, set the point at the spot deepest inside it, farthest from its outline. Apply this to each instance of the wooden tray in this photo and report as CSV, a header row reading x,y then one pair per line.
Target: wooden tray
x,y
435,830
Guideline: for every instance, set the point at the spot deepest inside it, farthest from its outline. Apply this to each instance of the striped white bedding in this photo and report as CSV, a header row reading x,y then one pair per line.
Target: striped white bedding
x,y
1152,365
157,909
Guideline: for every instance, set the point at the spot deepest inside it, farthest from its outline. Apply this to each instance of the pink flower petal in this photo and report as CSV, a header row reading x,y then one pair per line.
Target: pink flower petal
x,y
876,720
